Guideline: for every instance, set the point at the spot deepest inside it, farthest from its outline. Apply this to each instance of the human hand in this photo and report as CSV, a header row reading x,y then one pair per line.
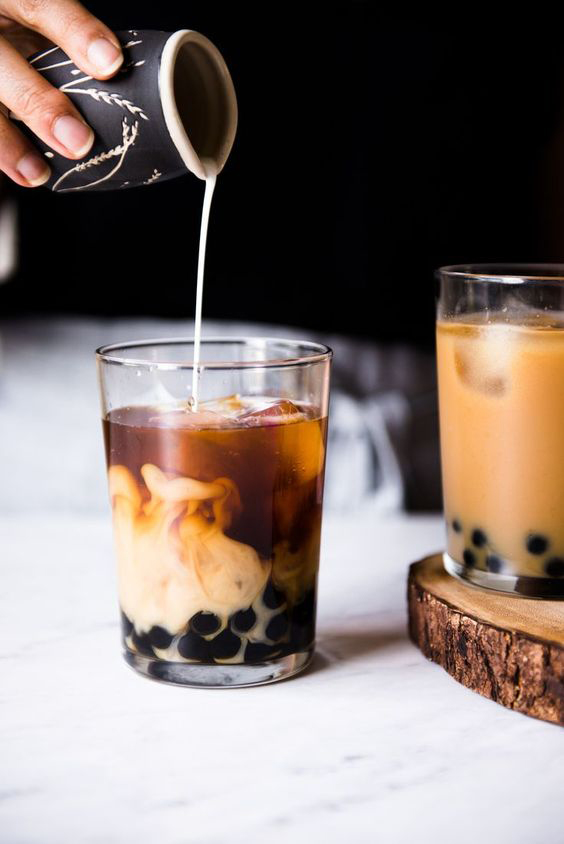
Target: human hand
x,y
25,27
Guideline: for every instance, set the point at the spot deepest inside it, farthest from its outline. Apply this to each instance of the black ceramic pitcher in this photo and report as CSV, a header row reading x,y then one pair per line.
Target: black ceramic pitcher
x,y
170,109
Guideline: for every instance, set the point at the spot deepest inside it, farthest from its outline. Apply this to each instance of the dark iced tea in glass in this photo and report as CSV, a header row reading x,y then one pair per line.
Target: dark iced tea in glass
x,y
217,518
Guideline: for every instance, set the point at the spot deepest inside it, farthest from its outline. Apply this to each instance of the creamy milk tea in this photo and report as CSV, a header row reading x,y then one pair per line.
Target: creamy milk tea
x,y
501,387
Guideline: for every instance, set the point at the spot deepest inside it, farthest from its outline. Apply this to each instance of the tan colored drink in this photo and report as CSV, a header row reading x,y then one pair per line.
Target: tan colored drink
x,y
501,388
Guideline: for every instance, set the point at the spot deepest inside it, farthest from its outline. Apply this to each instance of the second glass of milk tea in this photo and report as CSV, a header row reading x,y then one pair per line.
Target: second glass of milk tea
x,y
500,352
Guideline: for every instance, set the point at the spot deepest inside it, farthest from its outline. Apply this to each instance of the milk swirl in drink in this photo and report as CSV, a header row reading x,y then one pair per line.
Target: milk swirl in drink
x,y
217,517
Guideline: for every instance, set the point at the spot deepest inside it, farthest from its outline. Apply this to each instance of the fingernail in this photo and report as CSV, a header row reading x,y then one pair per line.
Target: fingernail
x,y
104,55
73,134
33,169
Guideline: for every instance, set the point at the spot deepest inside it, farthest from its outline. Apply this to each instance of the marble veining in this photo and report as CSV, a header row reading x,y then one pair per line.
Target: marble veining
x,y
372,744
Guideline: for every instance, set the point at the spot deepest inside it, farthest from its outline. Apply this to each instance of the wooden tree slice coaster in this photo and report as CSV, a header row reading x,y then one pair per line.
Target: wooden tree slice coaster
x,y
506,648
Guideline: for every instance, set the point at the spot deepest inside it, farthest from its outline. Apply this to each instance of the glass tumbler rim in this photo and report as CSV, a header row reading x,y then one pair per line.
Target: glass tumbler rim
x,y
311,352
503,273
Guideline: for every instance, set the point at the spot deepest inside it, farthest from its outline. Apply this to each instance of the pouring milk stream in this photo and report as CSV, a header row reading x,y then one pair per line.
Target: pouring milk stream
x,y
211,176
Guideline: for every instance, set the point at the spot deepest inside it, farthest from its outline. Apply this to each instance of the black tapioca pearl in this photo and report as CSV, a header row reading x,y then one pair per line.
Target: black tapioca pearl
x,y
159,637
142,643
259,652
555,567
277,627
192,646
126,625
272,597
494,563
225,646
456,526
244,620
469,558
479,538
205,623
536,544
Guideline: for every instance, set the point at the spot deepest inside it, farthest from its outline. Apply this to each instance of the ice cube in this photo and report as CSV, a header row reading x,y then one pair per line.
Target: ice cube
x,y
192,419
483,359
277,413
227,406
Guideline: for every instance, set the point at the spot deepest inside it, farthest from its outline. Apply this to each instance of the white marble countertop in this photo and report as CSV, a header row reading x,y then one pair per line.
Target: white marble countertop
x,y
373,744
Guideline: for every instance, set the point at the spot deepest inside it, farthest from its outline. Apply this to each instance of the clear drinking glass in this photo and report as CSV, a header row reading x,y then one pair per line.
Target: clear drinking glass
x,y
500,353
216,507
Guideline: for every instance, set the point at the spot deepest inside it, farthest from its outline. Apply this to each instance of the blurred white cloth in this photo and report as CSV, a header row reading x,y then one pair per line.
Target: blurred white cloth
x,y
51,449
8,237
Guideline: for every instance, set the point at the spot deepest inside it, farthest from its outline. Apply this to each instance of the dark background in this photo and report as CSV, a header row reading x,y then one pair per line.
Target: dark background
x,y
370,150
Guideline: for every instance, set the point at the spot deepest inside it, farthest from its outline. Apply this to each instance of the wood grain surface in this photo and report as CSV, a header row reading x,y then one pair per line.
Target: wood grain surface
x,y
509,649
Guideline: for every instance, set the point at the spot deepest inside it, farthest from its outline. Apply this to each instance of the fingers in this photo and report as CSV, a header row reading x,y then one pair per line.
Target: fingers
x,y
18,159
23,39
46,110
87,41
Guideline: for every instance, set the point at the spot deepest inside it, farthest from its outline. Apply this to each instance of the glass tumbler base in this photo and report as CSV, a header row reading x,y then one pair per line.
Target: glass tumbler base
x,y
526,587
199,676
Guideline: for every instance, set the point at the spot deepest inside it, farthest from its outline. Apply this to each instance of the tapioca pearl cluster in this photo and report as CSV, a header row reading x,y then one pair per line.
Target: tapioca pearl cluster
x,y
539,546
212,639
143,642
477,551
262,631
